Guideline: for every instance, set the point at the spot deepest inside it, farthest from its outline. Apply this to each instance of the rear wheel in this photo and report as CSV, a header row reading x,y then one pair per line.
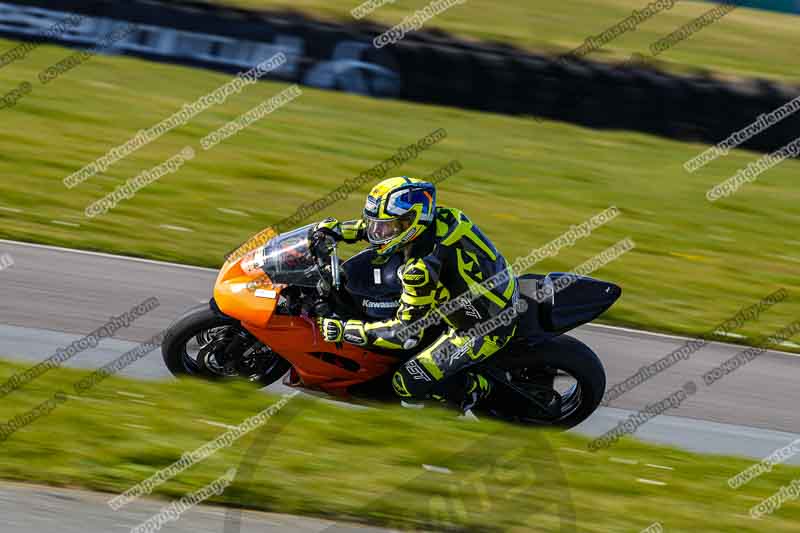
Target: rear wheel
x,y
558,383
206,344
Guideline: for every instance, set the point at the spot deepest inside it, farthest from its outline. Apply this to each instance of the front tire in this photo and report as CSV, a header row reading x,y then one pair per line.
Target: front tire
x,y
212,332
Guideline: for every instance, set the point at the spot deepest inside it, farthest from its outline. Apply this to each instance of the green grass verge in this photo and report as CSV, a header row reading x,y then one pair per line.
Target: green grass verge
x,y
747,42
366,465
525,183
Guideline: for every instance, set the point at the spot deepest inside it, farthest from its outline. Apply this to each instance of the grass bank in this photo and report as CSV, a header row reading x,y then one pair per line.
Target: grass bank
x,y
525,183
368,465
736,45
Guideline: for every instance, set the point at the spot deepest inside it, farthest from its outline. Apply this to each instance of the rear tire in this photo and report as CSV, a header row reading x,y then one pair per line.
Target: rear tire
x,y
566,354
194,322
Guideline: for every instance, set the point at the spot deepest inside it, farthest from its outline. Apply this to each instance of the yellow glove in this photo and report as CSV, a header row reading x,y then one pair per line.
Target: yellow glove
x,y
329,226
332,329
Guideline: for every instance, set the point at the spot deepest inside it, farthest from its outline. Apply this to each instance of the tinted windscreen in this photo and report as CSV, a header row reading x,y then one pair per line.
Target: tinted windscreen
x,y
287,259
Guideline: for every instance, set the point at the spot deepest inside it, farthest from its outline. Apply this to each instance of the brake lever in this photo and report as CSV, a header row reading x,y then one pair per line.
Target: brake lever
x,y
335,270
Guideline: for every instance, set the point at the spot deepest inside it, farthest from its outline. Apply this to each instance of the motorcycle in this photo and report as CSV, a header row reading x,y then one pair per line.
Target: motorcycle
x,y
260,325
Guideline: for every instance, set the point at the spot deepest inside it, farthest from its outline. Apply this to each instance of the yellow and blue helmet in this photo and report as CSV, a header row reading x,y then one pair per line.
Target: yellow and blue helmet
x,y
397,211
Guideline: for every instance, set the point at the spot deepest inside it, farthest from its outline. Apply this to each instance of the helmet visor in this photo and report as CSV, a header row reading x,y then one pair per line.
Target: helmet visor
x,y
403,200
382,231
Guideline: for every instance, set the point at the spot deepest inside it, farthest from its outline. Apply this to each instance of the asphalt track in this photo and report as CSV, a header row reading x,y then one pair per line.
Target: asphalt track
x,y
51,297
32,508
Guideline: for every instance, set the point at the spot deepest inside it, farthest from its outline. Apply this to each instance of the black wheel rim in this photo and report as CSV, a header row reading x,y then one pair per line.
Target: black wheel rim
x,y
199,354
556,388
197,347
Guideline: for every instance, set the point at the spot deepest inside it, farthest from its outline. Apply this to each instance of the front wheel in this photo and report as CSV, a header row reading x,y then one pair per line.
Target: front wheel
x,y
204,343
560,383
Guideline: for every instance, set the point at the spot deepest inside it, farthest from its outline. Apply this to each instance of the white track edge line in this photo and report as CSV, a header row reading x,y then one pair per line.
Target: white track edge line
x,y
106,255
680,338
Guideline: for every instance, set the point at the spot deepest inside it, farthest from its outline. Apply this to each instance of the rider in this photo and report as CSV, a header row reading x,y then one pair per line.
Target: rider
x,y
445,255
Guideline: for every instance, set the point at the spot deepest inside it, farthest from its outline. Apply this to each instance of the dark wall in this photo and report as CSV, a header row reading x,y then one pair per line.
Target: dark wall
x,y
434,67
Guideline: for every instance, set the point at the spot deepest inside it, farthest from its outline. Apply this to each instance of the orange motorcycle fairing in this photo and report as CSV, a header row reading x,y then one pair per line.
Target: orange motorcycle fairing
x,y
245,294
248,296
331,367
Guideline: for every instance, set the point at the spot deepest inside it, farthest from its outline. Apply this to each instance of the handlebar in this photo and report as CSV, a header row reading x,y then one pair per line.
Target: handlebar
x,y
325,251
329,288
